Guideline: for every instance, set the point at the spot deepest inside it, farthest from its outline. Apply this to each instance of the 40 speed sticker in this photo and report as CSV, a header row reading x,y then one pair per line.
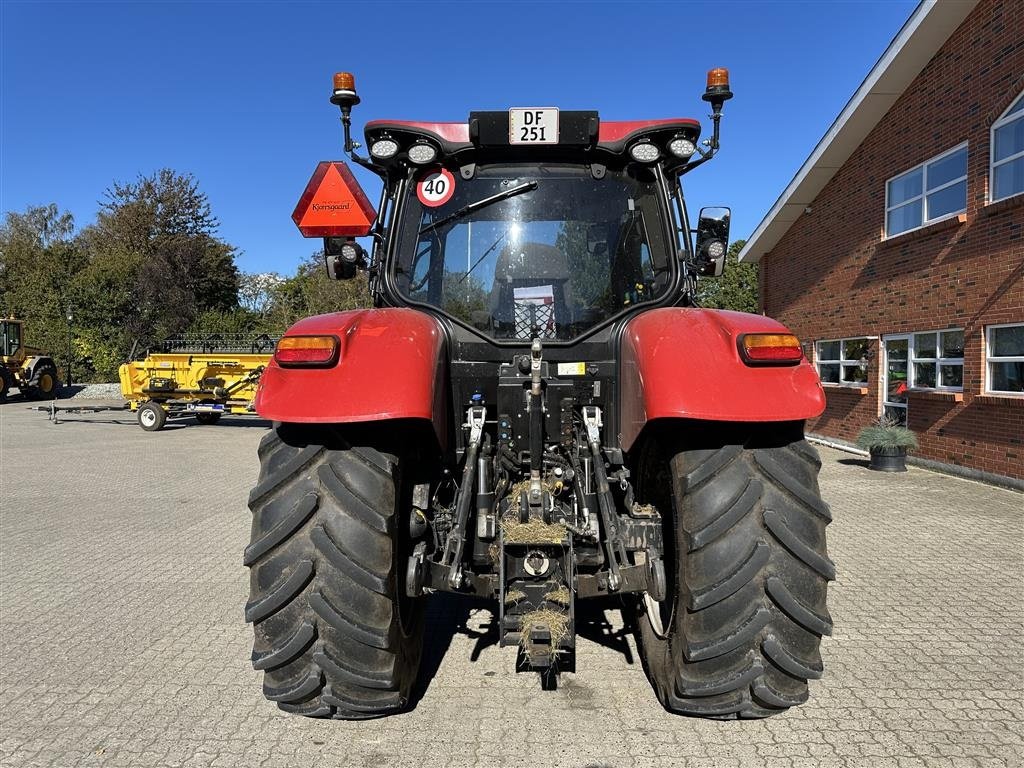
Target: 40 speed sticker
x,y
435,187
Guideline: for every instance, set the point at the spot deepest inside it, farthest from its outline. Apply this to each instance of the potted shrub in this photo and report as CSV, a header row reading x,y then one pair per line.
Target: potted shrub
x,y
888,443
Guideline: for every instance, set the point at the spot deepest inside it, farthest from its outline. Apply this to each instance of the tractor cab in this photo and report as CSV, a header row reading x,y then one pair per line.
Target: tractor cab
x,y
527,223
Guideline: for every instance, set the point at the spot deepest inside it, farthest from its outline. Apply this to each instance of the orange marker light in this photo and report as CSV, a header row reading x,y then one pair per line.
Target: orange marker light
x,y
770,348
718,78
298,351
344,81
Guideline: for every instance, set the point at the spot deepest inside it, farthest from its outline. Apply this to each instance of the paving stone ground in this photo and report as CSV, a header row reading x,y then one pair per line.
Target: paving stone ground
x,y
122,641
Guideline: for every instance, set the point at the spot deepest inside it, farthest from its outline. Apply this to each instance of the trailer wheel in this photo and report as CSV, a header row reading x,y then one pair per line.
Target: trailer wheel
x,y
207,418
335,635
738,634
152,416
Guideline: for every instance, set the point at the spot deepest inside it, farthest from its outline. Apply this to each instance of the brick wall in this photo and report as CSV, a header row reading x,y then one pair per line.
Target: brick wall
x,y
832,275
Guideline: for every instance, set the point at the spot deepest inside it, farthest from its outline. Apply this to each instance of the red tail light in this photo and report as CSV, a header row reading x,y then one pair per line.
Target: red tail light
x,y
770,348
306,351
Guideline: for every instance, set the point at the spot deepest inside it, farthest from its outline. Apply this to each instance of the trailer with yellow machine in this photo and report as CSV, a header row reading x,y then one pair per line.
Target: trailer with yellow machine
x,y
193,377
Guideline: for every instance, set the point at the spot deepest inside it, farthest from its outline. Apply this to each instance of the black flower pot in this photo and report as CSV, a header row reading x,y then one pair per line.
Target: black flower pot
x,y
886,459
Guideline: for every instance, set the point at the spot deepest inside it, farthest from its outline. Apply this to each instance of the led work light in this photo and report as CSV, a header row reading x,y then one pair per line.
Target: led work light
x,y
644,152
681,147
422,153
382,149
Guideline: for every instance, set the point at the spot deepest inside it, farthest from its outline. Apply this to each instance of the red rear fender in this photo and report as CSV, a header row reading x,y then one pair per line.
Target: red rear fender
x,y
390,366
685,363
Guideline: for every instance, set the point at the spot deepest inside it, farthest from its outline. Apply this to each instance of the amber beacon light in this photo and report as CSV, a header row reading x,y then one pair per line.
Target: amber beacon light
x,y
718,86
344,88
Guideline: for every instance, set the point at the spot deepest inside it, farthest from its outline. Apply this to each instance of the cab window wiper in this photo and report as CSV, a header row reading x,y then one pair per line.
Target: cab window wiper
x,y
476,206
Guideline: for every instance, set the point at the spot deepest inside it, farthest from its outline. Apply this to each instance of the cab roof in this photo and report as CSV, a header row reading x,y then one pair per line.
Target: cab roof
x,y
454,138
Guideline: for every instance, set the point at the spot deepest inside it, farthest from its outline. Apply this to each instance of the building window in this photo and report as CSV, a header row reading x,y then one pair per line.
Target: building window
x,y
1006,175
1005,355
843,361
934,190
937,360
929,360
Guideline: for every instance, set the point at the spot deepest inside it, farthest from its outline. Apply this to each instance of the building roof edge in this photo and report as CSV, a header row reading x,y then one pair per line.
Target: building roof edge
x,y
917,42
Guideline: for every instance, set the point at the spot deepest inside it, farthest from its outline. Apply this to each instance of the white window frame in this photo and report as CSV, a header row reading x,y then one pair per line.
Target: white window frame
x,y
884,347
842,362
990,358
1004,119
925,191
938,360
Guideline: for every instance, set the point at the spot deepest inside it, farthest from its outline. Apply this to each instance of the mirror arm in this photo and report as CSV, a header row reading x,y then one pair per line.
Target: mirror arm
x,y
705,156
351,146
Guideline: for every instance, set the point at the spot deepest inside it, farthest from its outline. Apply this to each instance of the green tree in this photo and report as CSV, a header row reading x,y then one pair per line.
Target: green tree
x,y
153,264
736,289
312,292
38,262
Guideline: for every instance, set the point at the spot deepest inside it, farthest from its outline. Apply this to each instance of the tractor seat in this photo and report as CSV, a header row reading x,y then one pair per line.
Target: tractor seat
x,y
531,295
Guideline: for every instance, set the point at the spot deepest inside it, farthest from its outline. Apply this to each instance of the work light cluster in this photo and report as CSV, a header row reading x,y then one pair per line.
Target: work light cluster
x,y
421,152
646,151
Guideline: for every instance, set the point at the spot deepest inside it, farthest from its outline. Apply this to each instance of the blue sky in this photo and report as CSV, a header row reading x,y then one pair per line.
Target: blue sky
x,y
236,93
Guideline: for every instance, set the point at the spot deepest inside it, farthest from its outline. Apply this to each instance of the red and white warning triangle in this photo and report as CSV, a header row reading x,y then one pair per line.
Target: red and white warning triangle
x,y
333,204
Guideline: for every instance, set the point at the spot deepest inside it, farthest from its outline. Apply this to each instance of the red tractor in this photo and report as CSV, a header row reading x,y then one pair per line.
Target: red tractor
x,y
535,412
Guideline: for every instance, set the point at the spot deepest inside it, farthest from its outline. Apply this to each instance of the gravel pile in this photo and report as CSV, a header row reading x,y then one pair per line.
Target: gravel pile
x,y
91,392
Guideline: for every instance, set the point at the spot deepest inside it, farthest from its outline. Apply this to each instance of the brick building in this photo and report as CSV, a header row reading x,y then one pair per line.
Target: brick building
x,y
896,253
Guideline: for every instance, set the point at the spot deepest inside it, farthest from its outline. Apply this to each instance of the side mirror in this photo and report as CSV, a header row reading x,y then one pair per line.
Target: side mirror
x,y
712,241
343,258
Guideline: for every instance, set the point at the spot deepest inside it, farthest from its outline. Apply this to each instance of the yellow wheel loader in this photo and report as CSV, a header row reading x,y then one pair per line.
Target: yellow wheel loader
x,y
29,369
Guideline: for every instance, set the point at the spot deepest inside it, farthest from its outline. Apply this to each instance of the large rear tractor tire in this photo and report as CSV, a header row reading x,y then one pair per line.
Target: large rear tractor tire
x,y
335,636
738,635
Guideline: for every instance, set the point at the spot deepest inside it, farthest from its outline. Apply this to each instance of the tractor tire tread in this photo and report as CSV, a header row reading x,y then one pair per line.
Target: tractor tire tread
x,y
792,486
742,505
817,623
304,506
295,690
350,673
797,547
750,606
710,466
725,684
344,560
784,659
354,499
324,576
287,650
280,594
282,474
702,597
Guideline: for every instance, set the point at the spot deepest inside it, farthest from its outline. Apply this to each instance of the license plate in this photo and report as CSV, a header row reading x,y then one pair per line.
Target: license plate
x,y
533,125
